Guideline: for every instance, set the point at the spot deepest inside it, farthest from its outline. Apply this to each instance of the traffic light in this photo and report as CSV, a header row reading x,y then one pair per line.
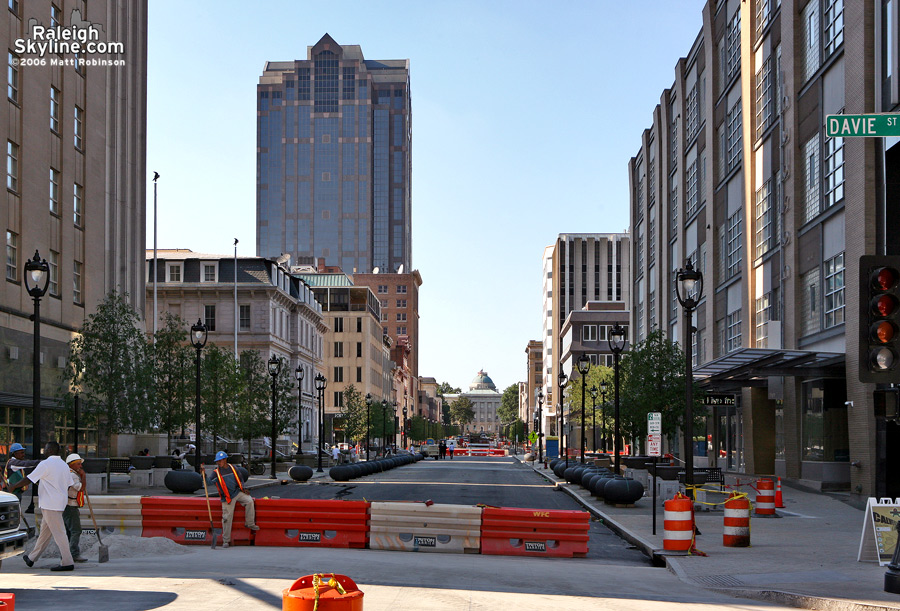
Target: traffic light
x,y
879,324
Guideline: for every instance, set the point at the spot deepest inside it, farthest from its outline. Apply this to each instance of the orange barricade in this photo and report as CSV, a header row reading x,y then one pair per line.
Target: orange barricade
x,y
316,592
312,523
534,532
8,602
186,521
678,524
765,498
737,521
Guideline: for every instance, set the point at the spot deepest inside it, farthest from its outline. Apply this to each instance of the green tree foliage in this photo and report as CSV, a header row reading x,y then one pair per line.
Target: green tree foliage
x,y
461,411
111,363
446,389
354,414
509,404
252,408
171,372
596,374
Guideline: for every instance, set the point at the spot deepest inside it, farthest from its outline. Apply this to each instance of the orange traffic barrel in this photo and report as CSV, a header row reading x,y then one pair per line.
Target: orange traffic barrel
x,y
765,497
324,592
737,521
678,524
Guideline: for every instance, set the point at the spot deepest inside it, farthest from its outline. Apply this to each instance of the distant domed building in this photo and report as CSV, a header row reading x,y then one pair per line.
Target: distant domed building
x,y
485,402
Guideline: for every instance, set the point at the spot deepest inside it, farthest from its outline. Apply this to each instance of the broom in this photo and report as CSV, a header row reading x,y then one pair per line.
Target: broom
x,y
104,550
212,529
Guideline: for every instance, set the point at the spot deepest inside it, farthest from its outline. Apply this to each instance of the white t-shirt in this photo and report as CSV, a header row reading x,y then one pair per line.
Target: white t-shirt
x,y
335,452
55,478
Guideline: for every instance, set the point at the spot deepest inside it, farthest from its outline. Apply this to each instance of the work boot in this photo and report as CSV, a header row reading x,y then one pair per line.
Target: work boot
x,y
225,545
79,559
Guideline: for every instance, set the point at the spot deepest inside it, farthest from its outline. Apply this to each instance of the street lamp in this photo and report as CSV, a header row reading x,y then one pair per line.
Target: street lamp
x,y
584,366
394,427
274,370
368,409
37,278
562,378
198,340
593,391
616,339
321,383
689,290
404,429
603,387
539,425
384,409
299,372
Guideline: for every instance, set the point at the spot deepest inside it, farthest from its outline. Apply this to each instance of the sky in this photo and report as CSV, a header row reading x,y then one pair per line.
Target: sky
x,y
524,117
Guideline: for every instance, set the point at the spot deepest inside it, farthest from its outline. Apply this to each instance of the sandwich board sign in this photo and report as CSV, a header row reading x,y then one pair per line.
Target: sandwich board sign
x,y
879,534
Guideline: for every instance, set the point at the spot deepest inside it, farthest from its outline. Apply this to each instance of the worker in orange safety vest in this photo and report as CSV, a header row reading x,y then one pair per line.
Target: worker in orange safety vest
x,y
231,492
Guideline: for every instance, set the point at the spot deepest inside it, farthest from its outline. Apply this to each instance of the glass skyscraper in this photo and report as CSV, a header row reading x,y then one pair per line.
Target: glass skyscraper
x,y
334,160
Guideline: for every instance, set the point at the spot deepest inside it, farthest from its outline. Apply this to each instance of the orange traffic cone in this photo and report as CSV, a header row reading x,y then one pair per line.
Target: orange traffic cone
x,y
779,502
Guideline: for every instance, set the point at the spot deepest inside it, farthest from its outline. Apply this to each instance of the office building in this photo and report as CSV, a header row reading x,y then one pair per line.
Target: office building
x,y
485,402
334,160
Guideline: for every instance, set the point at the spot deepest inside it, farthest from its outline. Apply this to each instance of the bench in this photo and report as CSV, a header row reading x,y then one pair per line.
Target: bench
x,y
119,465
713,476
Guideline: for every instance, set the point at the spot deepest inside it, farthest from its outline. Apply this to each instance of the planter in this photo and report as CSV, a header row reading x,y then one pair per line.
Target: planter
x,y
235,459
340,473
162,461
142,463
300,473
183,481
636,462
668,472
625,491
95,465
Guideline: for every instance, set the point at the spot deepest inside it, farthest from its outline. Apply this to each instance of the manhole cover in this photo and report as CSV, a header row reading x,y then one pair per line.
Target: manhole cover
x,y
719,581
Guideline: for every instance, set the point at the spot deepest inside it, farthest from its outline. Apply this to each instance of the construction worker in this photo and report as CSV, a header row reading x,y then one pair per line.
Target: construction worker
x,y
231,492
71,515
14,471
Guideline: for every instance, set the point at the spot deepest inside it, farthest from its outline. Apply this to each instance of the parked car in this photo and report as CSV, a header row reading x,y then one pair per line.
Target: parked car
x,y
12,540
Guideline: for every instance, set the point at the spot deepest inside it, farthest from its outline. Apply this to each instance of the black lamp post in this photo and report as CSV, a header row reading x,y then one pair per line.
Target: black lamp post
x,y
603,386
299,372
198,340
616,339
384,409
539,424
37,278
394,424
405,427
584,366
368,409
689,290
321,383
274,370
593,391
562,378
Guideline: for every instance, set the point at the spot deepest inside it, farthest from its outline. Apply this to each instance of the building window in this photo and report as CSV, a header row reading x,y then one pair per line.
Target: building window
x,y
673,132
401,331
691,193
733,47
639,251
401,289
174,272
338,399
78,205
338,374
12,256
245,317
764,10
834,291
401,316
651,240
359,350
55,16
834,171
54,191
401,303
651,310
733,331
359,324
14,6
673,208
382,288
810,21
12,77
811,177
765,97
763,312
53,285
732,246
809,298
338,350
209,317
12,166
765,235
77,282
692,115
54,109
209,272
589,333
733,137
79,128
338,325
833,28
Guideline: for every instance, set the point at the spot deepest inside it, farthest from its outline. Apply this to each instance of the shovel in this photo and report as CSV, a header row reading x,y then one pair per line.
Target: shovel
x,y
28,526
104,551
209,510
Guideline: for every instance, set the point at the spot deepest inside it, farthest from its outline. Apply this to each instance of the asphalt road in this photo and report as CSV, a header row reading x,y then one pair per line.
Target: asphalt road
x,y
496,481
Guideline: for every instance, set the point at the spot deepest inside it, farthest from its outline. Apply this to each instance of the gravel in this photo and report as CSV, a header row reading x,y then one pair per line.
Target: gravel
x,y
120,546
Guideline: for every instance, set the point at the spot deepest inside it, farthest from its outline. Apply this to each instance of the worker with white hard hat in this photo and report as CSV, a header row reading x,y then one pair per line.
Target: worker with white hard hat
x,y
71,514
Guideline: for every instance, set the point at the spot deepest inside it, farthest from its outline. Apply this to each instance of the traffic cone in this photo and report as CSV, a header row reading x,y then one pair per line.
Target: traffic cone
x,y
779,502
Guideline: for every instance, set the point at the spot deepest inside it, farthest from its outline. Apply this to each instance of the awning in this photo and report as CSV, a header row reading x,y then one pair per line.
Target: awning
x,y
752,366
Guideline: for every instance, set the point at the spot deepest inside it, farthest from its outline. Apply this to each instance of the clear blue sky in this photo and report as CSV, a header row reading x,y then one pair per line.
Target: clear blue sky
x,y
525,115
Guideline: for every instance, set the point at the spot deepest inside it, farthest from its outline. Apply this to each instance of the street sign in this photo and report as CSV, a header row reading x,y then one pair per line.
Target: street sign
x,y
863,126
654,444
654,422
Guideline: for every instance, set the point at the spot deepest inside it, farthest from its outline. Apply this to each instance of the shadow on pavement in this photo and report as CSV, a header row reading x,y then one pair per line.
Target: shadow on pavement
x,y
88,599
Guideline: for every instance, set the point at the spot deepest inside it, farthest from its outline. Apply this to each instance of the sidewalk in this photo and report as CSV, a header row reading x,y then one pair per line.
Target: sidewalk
x,y
806,557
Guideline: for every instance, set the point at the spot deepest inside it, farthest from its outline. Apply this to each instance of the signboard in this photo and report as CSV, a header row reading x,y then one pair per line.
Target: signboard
x,y
310,537
862,126
425,541
654,445
654,434
879,535
654,422
717,399
535,546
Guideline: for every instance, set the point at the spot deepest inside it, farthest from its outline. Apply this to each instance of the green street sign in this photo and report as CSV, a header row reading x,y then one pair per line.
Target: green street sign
x,y
863,126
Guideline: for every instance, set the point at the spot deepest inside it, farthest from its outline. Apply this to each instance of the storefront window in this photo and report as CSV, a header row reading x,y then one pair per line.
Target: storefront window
x,y
825,436
779,432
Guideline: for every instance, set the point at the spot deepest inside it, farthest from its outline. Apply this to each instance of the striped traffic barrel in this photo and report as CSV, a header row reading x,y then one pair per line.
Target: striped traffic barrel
x,y
737,521
678,524
765,497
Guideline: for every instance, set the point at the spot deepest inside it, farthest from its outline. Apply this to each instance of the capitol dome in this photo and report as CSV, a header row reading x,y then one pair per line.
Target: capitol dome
x,y
482,382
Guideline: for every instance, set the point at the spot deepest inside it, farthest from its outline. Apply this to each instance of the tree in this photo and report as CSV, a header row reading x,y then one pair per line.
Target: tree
x,y
253,396
446,389
509,404
110,362
461,411
220,385
170,372
354,413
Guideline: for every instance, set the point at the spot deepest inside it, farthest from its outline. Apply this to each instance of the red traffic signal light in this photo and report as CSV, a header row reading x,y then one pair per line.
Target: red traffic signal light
x,y
880,309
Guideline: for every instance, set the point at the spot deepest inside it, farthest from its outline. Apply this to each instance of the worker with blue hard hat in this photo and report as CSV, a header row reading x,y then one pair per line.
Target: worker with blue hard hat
x,y
14,470
231,492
